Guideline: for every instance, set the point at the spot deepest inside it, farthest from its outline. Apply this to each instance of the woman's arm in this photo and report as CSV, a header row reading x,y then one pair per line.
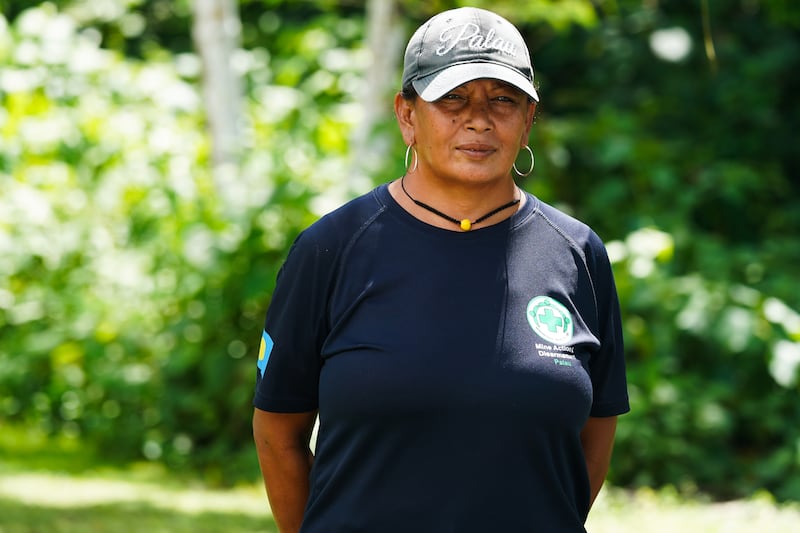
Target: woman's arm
x,y
597,438
282,441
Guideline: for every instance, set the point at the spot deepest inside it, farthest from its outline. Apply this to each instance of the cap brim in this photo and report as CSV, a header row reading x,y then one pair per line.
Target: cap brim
x,y
433,87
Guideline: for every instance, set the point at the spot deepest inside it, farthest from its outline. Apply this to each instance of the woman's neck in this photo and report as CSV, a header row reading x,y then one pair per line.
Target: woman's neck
x,y
457,206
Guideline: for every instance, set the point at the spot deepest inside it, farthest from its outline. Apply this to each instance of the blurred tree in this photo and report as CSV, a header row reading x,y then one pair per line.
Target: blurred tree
x,y
134,282
385,41
216,33
645,133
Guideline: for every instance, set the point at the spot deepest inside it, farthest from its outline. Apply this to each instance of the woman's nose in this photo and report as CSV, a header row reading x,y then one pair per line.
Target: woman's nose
x,y
479,115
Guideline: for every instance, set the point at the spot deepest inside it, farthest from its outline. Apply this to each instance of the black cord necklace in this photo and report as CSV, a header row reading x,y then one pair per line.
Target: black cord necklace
x,y
465,224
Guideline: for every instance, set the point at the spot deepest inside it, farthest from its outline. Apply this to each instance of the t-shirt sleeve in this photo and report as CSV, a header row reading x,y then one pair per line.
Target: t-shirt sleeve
x,y
607,366
289,361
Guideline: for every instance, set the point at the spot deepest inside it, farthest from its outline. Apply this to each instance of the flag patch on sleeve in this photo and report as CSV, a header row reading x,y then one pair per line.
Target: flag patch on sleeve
x,y
263,352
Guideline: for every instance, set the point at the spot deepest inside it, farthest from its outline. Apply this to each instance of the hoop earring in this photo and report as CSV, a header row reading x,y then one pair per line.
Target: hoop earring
x,y
533,162
414,157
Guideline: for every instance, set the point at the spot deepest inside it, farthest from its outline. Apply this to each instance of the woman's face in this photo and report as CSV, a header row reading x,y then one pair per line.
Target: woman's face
x,y
472,134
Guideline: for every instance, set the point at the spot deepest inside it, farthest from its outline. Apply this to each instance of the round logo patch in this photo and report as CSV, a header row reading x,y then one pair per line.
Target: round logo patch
x,y
550,320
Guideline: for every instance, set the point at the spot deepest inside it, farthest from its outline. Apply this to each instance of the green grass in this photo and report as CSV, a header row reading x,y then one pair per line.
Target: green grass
x,y
55,487
36,502
58,486
649,511
128,517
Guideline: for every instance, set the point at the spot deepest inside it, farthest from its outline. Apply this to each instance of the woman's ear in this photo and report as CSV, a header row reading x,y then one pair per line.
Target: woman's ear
x,y
404,111
530,113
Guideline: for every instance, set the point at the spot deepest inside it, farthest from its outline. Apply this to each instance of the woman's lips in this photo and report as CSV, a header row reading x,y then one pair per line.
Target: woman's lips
x,y
476,149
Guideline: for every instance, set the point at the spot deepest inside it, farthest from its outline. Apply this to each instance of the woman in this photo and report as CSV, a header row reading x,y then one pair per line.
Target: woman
x,y
459,339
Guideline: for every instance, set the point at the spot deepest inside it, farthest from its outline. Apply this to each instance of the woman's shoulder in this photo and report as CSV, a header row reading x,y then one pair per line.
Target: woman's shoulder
x,y
569,227
348,220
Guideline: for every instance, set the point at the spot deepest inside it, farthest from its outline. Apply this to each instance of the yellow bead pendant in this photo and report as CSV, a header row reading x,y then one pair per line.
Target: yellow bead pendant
x,y
466,225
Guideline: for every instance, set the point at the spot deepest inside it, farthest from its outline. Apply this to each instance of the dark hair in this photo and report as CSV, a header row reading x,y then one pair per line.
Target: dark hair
x,y
409,92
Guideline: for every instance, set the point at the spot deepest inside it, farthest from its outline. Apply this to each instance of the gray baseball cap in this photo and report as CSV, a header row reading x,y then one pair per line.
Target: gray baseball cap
x,y
462,45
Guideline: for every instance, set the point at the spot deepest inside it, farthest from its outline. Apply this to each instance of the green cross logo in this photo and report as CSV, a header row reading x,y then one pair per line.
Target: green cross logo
x,y
550,320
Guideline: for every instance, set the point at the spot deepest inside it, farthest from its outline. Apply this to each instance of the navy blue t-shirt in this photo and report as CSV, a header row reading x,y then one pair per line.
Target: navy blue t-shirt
x,y
453,371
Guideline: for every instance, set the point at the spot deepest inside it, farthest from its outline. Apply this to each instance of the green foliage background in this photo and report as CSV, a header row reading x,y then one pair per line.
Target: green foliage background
x,y
134,278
